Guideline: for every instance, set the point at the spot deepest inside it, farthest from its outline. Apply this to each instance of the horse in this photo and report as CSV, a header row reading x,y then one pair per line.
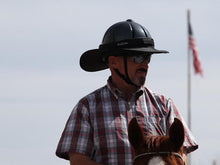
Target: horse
x,y
157,150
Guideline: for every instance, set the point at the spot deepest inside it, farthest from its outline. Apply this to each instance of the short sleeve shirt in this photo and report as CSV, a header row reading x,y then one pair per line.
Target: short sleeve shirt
x,y
97,126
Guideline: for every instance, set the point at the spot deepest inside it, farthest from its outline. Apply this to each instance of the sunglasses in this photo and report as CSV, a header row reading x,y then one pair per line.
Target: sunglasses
x,y
140,58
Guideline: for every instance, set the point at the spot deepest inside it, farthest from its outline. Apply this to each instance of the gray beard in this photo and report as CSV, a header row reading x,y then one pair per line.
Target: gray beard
x,y
140,82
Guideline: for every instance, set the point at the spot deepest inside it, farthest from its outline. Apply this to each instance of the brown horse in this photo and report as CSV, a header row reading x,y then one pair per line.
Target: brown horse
x,y
157,150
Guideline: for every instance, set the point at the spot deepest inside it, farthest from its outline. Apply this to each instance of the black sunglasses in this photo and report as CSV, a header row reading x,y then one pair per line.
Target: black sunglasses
x,y
140,58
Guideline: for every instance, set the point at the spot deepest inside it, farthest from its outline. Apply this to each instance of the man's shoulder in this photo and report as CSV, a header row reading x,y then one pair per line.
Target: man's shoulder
x,y
91,100
151,92
95,93
156,95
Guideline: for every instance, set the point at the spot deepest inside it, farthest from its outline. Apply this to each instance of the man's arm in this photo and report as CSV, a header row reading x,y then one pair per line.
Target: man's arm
x,y
77,158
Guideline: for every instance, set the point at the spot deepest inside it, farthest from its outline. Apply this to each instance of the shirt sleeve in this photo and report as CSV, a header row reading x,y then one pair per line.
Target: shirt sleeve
x,y
77,135
190,143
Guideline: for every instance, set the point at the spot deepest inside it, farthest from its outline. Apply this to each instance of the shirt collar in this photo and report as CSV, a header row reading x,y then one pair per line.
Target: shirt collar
x,y
117,93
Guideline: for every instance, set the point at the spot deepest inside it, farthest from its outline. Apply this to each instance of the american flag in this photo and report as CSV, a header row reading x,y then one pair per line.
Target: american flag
x,y
193,48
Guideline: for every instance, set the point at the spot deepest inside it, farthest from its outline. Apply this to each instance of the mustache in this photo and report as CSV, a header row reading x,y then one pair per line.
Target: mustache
x,y
142,70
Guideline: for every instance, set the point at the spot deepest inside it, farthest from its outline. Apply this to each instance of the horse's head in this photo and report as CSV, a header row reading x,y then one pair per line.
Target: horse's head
x,y
157,150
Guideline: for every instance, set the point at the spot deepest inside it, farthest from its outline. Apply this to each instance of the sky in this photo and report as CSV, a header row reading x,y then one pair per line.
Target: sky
x,y
41,80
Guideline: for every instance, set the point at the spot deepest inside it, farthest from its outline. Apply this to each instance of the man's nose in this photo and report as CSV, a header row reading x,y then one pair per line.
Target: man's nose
x,y
145,64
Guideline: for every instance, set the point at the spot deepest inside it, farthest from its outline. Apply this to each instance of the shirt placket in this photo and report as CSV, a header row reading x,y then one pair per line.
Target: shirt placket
x,y
131,108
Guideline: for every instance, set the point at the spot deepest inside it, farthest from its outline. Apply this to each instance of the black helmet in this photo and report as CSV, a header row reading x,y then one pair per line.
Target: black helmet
x,y
119,40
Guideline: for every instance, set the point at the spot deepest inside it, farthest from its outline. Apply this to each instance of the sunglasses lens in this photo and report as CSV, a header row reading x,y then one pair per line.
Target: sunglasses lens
x,y
140,58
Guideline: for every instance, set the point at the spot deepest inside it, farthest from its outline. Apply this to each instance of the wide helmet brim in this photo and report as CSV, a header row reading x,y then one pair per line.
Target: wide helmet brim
x,y
93,60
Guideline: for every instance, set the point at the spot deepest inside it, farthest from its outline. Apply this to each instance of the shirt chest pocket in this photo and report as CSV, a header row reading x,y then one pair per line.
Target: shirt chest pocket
x,y
111,131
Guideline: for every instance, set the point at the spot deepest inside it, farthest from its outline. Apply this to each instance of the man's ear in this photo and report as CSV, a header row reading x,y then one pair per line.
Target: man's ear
x,y
112,62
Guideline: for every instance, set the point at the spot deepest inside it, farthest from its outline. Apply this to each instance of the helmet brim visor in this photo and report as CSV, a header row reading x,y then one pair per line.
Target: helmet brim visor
x,y
96,60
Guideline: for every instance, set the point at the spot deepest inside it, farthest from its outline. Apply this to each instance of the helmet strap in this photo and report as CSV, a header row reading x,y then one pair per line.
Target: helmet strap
x,y
125,77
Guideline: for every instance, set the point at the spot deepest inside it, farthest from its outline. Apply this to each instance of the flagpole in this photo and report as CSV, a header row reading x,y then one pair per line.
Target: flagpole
x,y
189,82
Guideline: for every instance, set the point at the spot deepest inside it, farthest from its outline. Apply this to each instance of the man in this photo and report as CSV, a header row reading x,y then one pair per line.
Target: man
x,y
96,131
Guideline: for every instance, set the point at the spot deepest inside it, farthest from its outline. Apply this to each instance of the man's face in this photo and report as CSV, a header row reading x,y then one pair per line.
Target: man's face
x,y
137,72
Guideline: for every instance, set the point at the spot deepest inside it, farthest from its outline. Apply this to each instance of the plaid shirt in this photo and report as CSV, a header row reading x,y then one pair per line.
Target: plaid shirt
x,y
97,126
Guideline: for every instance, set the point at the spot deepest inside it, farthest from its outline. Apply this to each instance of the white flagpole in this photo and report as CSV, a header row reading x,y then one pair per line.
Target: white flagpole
x,y
189,82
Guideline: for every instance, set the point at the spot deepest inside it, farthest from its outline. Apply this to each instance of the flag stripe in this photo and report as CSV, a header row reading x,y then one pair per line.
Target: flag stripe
x,y
193,48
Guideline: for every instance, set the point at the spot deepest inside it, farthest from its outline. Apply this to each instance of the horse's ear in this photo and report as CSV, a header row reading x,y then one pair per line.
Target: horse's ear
x,y
177,134
135,134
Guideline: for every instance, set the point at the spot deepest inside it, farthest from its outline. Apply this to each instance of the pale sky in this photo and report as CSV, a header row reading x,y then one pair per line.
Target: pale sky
x,y
41,80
